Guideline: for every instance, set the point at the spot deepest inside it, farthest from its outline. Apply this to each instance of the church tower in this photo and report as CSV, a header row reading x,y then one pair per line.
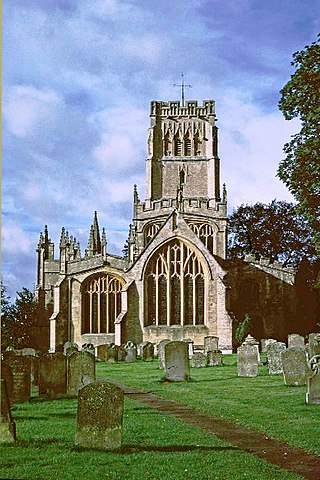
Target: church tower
x,y
182,173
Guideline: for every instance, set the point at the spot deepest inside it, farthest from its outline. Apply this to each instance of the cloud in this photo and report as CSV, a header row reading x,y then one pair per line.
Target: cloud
x,y
26,107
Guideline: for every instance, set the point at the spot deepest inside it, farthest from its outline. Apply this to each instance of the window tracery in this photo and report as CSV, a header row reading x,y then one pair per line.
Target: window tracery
x,y
101,304
205,232
175,287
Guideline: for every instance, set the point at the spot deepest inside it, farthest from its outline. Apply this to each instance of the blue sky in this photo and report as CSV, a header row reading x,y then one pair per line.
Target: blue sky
x,y
78,79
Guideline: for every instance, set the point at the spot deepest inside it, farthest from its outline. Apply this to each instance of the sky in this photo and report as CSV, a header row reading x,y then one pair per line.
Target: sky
x,y
78,79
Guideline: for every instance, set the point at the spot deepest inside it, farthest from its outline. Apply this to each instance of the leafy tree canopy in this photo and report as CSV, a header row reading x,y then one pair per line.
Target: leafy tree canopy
x,y
300,170
275,231
17,319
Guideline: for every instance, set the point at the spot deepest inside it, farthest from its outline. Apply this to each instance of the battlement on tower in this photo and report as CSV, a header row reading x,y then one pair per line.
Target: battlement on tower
x,y
190,109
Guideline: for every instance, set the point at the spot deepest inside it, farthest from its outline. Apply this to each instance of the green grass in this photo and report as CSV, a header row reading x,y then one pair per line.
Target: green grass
x,y
157,446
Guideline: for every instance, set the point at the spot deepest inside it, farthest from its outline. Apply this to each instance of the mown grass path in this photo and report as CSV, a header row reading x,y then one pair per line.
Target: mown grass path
x,y
274,451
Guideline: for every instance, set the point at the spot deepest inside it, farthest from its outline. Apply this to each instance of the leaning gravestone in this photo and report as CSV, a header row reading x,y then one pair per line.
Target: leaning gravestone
x,y
211,344
198,359
69,348
274,357
147,352
314,344
176,362
214,358
81,370
161,347
99,417
295,340
7,425
131,352
247,360
21,376
296,370
53,375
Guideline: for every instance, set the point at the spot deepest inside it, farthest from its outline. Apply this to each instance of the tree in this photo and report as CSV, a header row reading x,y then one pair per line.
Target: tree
x,y
243,329
300,170
18,320
275,231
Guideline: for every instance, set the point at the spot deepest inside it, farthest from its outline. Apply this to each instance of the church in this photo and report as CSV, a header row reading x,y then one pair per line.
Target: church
x,y
172,282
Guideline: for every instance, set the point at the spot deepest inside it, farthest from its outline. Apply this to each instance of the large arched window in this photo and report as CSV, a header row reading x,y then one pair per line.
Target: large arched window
x,y
101,303
175,287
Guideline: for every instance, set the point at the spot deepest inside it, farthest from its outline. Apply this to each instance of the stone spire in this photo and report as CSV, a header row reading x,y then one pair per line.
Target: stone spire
x,y
103,243
94,242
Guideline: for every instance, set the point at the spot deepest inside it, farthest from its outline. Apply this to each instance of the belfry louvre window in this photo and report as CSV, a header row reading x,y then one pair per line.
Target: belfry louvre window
x,y
101,304
175,287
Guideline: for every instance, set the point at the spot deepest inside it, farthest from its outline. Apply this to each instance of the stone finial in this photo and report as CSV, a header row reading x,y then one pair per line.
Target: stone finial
x,y
63,238
135,194
224,193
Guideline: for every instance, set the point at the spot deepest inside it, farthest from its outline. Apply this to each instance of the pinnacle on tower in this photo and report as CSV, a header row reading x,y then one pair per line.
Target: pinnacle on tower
x,y
63,237
94,242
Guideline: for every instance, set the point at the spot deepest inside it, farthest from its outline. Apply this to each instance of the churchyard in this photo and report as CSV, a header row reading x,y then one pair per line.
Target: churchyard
x,y
156,445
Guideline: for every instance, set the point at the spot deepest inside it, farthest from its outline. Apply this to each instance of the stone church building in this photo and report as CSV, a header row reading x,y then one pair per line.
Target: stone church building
x,y
173,281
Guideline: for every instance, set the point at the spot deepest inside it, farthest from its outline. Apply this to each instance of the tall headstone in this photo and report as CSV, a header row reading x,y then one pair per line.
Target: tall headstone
x,y
314,344
53,375
247,360
121,351
81,370
7,425
177,367
111,355
198,359
99,417
274,357
295,340
214,358
7,376
161,347
21,376
295,366
131,352
313,393
147,352
250,340
211,344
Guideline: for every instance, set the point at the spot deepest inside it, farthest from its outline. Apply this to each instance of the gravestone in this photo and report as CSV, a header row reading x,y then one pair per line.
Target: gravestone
x,y
211,344
176,362
81,370
295,340
247,360
265,342
314,344
70,347
121,351
35,365
101,352
53,375
161,347
190,346
111,354
147,352
274,357
313,393
28,352
7,425
88,347
6,375
214,358
99,416
198,359
131,352
21,376
296,370
250,340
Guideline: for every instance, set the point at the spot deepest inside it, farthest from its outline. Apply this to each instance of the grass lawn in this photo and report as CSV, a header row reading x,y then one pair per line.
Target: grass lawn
x,y
157,446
